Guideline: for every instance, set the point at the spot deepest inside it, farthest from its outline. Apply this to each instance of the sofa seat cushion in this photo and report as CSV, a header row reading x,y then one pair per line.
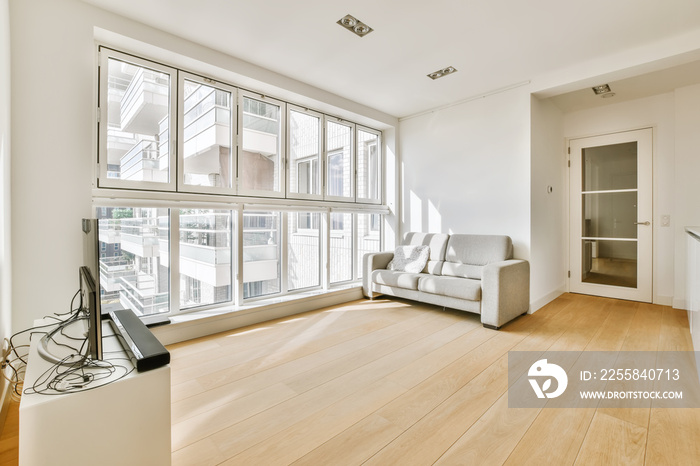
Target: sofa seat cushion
x,y
462,288
404,280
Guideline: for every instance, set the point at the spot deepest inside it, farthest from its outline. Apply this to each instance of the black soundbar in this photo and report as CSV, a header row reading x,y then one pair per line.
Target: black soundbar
x,y
144,349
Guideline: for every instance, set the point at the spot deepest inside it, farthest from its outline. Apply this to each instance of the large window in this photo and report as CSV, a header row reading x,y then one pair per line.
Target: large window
x,y
260,155
205,257
156,260
339,149
304,148
341,247
368,166
164,129
208,128
261,254
135,272
136,135
368,237
236,196
304,250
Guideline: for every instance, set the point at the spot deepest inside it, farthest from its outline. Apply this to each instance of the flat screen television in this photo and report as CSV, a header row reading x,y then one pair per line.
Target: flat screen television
x,y
89,304
89,308
90,286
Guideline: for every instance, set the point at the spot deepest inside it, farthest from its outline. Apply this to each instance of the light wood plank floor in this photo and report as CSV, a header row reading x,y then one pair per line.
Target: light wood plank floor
x,y
391,382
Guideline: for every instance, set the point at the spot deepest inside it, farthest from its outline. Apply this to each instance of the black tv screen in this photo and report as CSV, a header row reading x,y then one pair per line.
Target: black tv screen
x,y
89,298
90,286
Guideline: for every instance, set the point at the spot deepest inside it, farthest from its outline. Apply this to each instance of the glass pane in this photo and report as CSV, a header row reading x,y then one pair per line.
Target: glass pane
x,y
340,169
367,165
261,253
368,237
304,245
610,263
207,135
205,257
260,146
341,247
610,215
134,259
610,167
304,150
138,126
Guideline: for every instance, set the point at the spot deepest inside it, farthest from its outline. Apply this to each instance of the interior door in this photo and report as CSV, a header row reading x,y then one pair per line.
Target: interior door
x,y
611,215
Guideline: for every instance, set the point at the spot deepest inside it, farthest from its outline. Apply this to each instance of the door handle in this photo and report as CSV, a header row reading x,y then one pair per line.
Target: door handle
x,y
642,223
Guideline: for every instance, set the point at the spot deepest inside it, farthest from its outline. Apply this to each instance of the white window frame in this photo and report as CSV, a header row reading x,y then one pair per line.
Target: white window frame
x,y
320,229
357,238
281,146
181,185
320,170
380,166
282,253
326,154
353,241
105,54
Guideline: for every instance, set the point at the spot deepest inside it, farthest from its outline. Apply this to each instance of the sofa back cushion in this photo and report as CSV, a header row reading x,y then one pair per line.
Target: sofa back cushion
x,y
438,245
466,255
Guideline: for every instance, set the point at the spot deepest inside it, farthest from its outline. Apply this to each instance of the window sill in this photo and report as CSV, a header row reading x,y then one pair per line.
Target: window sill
x,y
198,324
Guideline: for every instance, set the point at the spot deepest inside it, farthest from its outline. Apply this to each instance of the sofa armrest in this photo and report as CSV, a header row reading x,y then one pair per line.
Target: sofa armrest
x,y
505,291
370,262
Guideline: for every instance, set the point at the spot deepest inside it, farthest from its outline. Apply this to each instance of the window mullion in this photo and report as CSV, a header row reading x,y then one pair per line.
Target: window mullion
x,y
174,261
284,252
238,271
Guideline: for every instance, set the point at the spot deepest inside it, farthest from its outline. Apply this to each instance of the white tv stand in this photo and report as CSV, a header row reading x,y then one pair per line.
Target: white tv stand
x,y
126,422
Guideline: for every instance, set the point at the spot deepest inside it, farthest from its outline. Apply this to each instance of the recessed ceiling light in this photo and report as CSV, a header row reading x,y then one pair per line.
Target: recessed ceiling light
x,y
442,72
602,89
354,25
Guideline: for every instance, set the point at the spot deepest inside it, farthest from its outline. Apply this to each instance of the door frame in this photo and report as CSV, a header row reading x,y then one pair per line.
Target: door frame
x,y
644,291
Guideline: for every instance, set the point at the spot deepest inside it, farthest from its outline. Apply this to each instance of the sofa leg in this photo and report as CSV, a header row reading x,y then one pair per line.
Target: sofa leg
x,y
492,327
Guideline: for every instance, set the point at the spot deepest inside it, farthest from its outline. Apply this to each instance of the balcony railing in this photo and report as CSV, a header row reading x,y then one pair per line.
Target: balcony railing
x,y
139,294
112,269
143,156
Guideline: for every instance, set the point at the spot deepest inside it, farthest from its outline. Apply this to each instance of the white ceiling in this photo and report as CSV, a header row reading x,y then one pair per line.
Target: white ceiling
x,y
492,43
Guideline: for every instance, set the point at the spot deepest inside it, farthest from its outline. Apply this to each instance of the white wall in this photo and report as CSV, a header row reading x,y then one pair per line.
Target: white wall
x,y
53,124
52,121
466,169
548,262
686,195
657,112
5,259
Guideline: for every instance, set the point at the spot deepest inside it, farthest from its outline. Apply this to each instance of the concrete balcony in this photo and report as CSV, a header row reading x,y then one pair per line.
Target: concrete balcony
x,y
260,263
139,236
145,102
211,265
260,142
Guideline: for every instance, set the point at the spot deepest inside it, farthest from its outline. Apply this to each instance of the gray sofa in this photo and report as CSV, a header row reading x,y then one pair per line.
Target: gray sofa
x,y
474,273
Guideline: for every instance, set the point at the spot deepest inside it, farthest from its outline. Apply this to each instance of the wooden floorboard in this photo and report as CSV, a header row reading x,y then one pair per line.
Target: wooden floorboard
x,y
392,382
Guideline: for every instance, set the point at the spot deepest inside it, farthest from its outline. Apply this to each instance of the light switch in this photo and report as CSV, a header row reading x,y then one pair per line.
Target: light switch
x,y
665,220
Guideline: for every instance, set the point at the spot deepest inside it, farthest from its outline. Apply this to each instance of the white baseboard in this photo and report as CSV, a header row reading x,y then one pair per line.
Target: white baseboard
x,y
664,300
178,331
546,299
679,303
